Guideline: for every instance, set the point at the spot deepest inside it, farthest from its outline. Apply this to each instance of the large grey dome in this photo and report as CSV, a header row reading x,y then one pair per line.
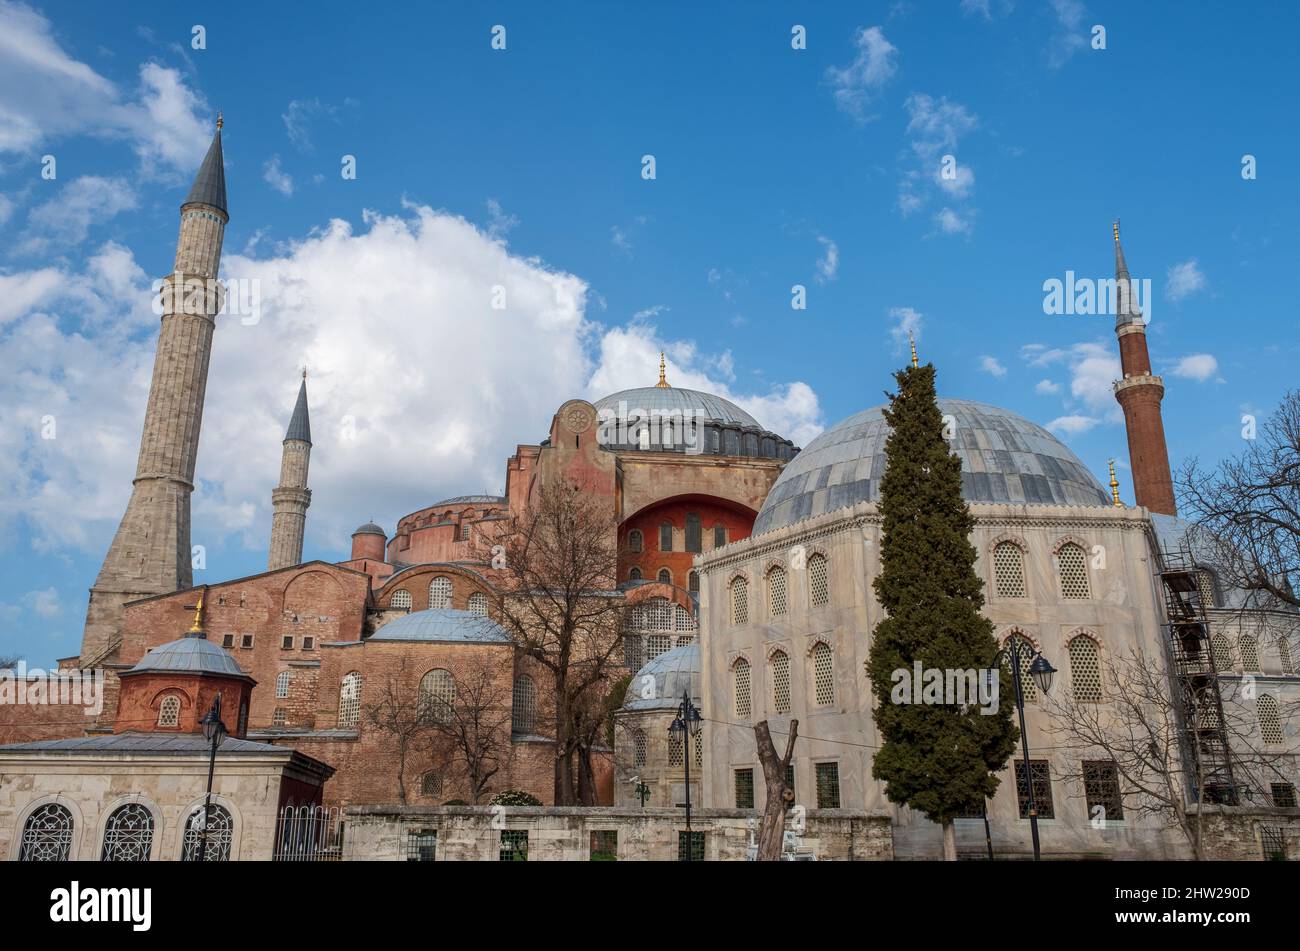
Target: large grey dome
x,y
1004,458
669,398
669,415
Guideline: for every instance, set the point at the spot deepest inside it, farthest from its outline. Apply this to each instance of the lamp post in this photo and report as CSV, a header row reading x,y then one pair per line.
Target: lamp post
x,y
685,726
214,731
1042,673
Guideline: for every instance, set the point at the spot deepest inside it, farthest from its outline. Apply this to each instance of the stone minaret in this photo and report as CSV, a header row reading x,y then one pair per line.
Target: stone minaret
x,y
150,553
291,497
1140,393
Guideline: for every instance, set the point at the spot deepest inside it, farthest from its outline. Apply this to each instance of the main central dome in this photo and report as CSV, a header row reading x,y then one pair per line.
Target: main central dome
x,y
670,399
667,418
1004,458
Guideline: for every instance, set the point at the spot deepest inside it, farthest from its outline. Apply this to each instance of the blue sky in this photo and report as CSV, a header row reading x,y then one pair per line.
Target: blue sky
x,y
774,167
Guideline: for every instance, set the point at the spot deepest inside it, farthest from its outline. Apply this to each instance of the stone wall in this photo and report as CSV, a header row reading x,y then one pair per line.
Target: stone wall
x,y
1238,833
383,833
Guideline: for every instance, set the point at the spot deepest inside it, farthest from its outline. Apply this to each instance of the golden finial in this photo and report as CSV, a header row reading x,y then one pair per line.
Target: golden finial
x,y
197,626
1114,485
1115,228
912,339
220,120
663,380
304,373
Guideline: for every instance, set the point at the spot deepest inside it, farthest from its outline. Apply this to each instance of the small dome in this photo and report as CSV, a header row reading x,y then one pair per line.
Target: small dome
x,y
1004,458
370,528
674,672
443,624
192,655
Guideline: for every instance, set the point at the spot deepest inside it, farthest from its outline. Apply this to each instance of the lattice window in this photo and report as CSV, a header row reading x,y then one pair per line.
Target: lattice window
x,y
693,582
665,576
1072,566
656,644
478,603
282,684
1205,587
1249,652
634,541
440,592
1222,651
1283,795
1284,656
740,680
693,841
694,534
1270,723
422,846
823,675
1042,788
278,717
128,835
47,835
639,747
1085,668
632,651
819,591
431,783
1101,789
697,748
634,574
780,682
220,831
1273,843
524,712
350,701
1008,570
828,785
604,845
1026,652
666,536
169,712
437,694
685,620
676,749
514,845
776,592
401,599
658,615
739,601
719,535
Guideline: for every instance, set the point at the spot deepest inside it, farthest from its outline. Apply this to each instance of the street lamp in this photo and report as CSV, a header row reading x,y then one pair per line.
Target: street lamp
x,y
687,725
1042,673
214,731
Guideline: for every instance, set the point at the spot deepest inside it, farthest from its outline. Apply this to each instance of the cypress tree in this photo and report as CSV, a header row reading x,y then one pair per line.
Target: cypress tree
x,y
938,759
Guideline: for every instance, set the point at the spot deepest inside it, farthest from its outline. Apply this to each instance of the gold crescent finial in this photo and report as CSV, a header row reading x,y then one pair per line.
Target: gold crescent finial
x,y
220,121
197,626
1114,486
1115,227
912,339
663,380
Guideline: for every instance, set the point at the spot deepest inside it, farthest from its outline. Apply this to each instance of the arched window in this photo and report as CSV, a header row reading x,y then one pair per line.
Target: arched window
x,y
1009,570
693,582
1249,652
1270,723
128,834
47,835
437,693
440,592
638,747
684,620
401,599
740,683
1026,653
694,534
1222,651
478,603
634,574
675,749
1284,655
719,535
220,829
169,713
1205,587
431,784
819,591
665,576
634,542
523,716
780,682
697,751
279,716
282,684
666,536
1072,567
1085,668
823,675
776,592
739,601
350,701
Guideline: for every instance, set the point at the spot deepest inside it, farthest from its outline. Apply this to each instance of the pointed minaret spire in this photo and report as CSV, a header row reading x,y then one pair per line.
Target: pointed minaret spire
x,y
663,380
1139,393
291,498
1114,485
209,186
911,338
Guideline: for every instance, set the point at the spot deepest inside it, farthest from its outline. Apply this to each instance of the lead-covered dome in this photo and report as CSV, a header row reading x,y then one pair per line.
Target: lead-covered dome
x,y
672,419
1004,458
660,684
193,654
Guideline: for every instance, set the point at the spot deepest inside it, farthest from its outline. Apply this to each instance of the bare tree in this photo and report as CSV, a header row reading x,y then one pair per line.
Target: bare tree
x,y
473,731
1141,729
401,718
779,797
1246,511
9,663
558,565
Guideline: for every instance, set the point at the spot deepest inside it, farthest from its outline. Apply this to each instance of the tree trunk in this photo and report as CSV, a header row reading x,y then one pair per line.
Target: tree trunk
x,y
949,841
586,777
780,797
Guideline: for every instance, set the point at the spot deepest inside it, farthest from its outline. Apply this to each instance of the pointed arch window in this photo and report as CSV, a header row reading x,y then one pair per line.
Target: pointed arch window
x,y
819,592
1284,655
639,745
739,601
780,665
350,701
693,582
1222,651
220,832
665,576
1025,651
1085,668
776,589
440,592
1008,570
128,834
1270,721
740,687
169,712
634,574
1249,652
1072,569
823,674
47,835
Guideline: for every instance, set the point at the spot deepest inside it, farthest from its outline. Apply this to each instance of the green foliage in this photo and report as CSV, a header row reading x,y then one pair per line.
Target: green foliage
x,y
514,797
936,759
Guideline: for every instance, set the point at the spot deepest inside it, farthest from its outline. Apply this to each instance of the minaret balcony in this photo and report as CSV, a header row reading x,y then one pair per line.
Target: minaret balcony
x,y
1139,379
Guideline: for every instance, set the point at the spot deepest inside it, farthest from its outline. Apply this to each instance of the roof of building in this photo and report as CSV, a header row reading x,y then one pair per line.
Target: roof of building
x,y
176,744
209,186
1005,458
443,624
467,499
300,421
652,399
674,672
370,528
190,655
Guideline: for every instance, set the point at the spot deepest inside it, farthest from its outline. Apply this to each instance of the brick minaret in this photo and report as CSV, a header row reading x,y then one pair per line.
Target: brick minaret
x,y
1140,393
291,497
150,553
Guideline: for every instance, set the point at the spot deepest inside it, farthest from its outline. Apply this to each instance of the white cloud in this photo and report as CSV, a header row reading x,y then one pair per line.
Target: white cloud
x,y
1072,425
277,177
1093,367
952,222
1068,37
1198,366
936,128
1047,388
908,321
985,9
1183,280
857,85
619,238
828,264
991,366
298,117
44,602
936,125
59,224
499,223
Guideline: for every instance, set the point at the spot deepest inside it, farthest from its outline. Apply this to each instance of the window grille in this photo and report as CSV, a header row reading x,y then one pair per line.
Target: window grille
x,y
401,599
1042,778
440,592
823,675
524,711
350,701
514,845
776,591
694,541
744,788
1085,668
1270,723
478,604
740,675
47,835
278,717
780,682
739,601
1273,842
676,755
437,693
422,846
666,536
638,748
1101,789
169,713
693,582
1025,651
1284,795
828,785
1009,570
685,620
1205,587
1222,650
665,576
1249,652
1284,656
604,845
128,835
695,843
656,644
220,828
1072,565
658,615
282,684
818,582
431,784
